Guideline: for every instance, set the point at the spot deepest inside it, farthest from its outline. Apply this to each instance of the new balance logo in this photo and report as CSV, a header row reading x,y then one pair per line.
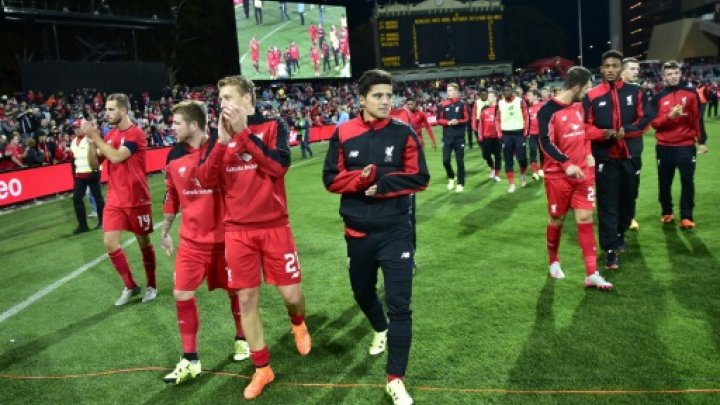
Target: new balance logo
x,y
388,153
629,100
354,153
602,104
405,255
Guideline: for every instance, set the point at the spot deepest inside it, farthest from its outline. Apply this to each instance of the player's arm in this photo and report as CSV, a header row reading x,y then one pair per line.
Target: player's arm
x,y
644,114
428,128
699,122
498,120
592,132
526,117
547,133
171,205
441,120
465,116
271,160
337,178
413,178
118,155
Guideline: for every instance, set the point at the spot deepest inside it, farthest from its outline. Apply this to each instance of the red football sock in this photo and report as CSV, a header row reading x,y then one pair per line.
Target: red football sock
x,y
148,255
235,309
189,324
392,377
533,166
510,177
119,261
260,358
586,238
553,242
296,319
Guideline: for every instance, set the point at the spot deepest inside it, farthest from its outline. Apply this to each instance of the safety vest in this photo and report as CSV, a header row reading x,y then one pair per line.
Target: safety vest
x,y
511,115
80,152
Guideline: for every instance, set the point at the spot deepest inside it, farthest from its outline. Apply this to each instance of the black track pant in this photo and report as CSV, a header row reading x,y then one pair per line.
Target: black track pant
x,y
670,158
492,153
615,180
456,144
514,147
79,188
392,251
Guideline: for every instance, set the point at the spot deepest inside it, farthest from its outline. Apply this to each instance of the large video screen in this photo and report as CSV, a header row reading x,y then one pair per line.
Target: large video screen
x,y
283,40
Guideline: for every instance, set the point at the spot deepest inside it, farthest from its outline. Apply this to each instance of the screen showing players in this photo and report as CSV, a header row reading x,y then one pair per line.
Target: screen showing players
x,y
282,40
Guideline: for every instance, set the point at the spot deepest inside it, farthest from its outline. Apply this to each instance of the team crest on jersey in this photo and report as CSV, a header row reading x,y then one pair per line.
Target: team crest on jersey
x,y
181,171
667,102
354,153
232,144
246,157
575,127
629,100
564,118
457,109
388,153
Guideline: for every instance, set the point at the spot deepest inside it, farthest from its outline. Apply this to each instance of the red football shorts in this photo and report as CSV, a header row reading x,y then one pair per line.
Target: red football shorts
x,y
272,248
564,193
137,220
194,265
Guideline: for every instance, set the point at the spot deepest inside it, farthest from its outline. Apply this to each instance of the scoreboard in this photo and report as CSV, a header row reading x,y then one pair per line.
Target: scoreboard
x,y
439,41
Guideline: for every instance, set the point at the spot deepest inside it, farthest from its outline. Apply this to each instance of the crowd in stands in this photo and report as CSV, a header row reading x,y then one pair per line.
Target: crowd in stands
x,y
36,129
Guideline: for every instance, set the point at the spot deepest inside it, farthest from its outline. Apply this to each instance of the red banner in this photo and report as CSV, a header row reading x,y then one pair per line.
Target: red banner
x,y
25,184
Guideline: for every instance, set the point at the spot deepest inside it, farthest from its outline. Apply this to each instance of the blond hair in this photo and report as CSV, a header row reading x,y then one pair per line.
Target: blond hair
x,y
241,83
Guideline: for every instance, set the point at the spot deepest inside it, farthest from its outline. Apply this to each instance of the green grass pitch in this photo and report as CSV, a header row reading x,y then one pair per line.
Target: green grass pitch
x,y
489,326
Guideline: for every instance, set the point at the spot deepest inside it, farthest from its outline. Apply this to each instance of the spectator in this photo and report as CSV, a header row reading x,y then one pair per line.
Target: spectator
x,y
15,151
32,156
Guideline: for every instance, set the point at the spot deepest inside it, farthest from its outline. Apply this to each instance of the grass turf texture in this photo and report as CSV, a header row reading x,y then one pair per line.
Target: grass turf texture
x,y
486,316
275,33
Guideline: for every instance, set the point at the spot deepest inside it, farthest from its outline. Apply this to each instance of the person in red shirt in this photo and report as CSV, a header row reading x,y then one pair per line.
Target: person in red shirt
x,y
678,127
315,56
534,105
128,206
420,121
488,136
271,62
567,165
201,252
313,32
15,151
295,56
255,54
251,159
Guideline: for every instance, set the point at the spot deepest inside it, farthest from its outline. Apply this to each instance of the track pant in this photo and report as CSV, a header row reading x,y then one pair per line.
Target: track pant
x,y
514,148
668,159
80,186
492,153
534,150
615,181
392,251
454,143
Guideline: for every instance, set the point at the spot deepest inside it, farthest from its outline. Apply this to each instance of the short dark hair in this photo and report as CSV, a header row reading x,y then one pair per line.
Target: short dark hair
x,y
191,111
121,100
613,53
671,64
371,78
576,76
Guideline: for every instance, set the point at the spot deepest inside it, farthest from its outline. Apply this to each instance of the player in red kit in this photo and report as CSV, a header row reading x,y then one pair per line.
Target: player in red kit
x,y
420,120
534,105
313,33
295,56
567,165
315,56
201,252
251,159
128,206
255,54
488,136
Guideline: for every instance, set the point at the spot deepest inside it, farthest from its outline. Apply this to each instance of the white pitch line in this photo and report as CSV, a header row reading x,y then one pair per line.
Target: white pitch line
x,y
52,287
264,38
85,267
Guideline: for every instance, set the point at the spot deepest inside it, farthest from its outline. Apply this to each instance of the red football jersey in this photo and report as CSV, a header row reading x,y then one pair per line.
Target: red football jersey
x,y
562,137
127,184
251,171
201,223
533,128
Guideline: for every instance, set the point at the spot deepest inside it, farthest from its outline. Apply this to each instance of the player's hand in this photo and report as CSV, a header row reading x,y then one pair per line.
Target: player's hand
x,y
371,191
702,149
224,132
620,134
167,244
590,160
90,130
235,117
676,111
367,170
609,134
574,172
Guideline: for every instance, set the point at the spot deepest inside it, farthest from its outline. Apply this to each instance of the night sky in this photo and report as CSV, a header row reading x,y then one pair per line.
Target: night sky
x,y
595,24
